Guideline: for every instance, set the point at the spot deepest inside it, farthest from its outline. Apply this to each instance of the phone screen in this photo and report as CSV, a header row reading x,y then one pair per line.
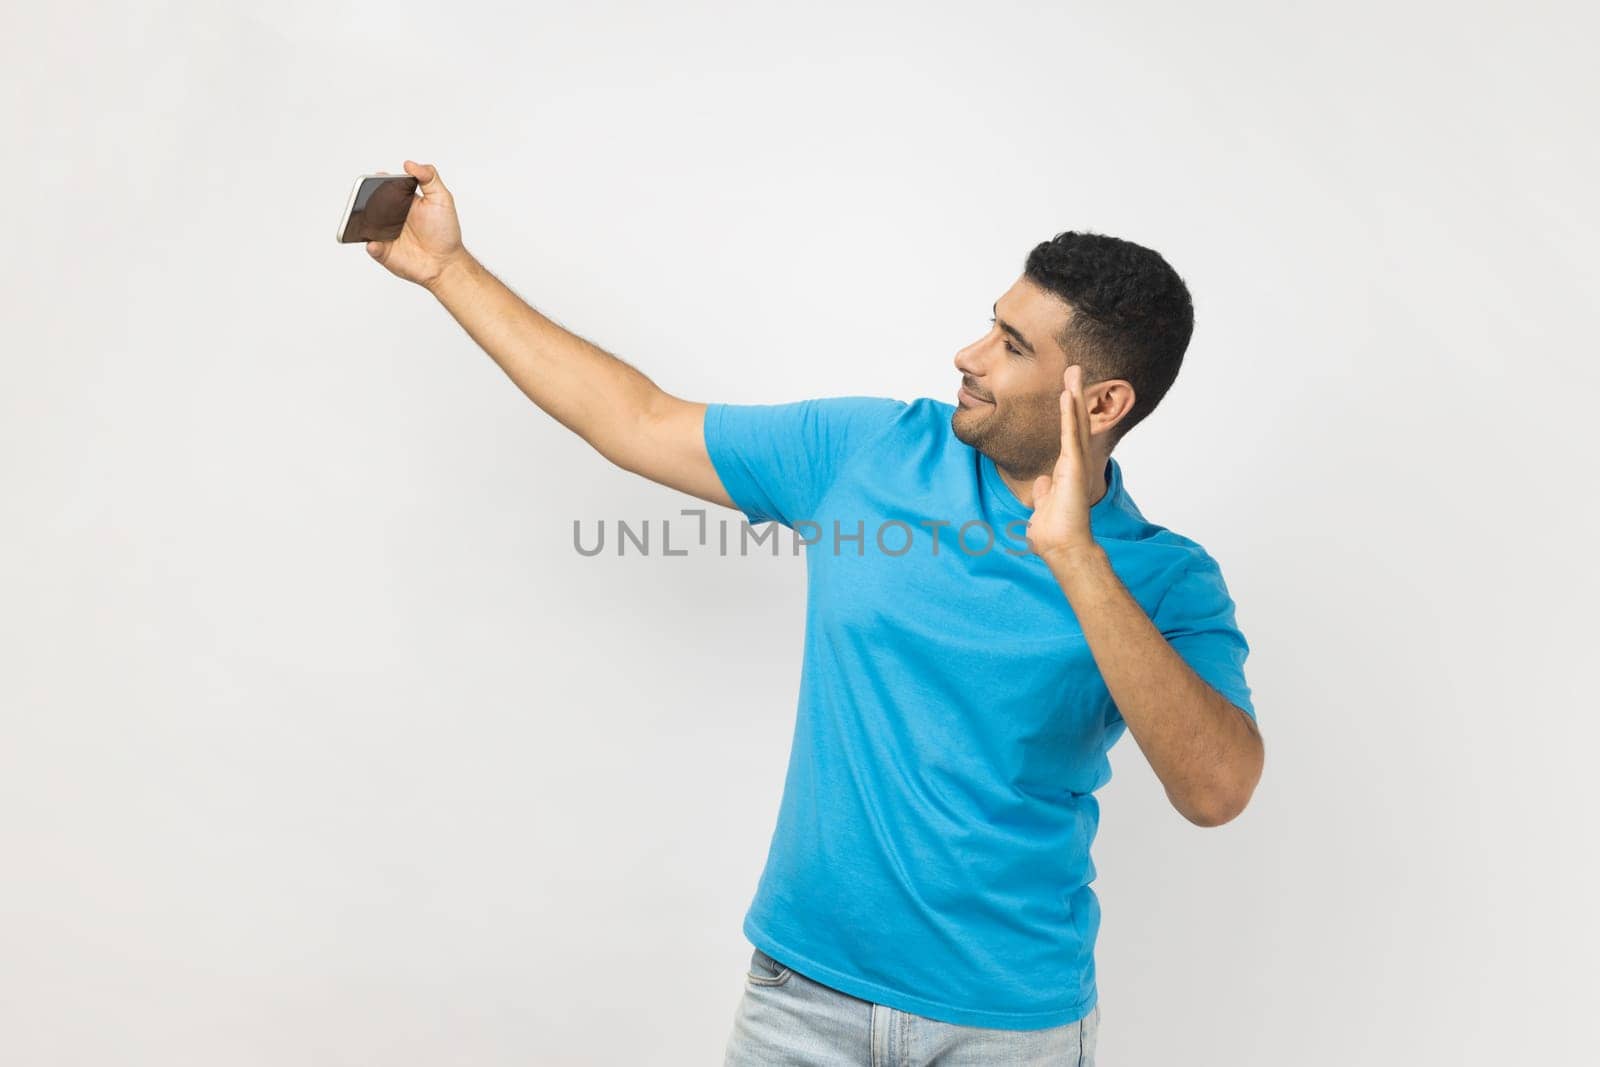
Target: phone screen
x,y
378,210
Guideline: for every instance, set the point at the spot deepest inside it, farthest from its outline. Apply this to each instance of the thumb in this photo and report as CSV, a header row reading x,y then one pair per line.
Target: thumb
x,y
427,176
378,249
1041,486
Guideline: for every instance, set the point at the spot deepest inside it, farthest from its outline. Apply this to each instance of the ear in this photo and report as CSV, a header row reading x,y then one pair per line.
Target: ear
x,y
1109,403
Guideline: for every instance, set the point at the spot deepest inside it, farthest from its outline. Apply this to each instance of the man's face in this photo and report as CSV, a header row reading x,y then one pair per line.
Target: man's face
x,y
1009,406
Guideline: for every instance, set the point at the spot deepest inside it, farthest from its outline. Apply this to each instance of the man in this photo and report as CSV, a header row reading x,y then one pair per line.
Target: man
x,y
988,611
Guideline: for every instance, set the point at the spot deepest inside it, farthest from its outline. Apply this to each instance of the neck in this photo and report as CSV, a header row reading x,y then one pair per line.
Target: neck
x,y
1022,486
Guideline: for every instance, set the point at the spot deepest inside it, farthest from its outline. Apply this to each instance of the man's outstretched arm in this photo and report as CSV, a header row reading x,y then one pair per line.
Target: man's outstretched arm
x,y
624,415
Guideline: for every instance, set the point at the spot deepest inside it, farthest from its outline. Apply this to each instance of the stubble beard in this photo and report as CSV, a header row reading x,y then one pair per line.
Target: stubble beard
x,y
988,433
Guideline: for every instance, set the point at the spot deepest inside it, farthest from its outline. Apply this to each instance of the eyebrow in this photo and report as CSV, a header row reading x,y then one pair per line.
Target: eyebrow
x,y
1016,335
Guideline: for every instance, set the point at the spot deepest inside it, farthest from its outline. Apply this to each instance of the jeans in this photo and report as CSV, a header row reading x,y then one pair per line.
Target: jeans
x,y
785,1019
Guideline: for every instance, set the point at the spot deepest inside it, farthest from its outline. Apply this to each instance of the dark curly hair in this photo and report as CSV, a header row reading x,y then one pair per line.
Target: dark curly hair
x,y
1132,316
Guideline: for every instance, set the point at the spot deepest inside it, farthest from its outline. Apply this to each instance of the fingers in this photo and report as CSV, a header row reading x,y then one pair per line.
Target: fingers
x,y
1082,412
1074,413
1070,439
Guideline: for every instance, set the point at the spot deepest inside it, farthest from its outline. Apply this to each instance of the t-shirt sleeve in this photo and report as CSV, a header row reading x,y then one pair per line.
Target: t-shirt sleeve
x,y
1196,616
777,460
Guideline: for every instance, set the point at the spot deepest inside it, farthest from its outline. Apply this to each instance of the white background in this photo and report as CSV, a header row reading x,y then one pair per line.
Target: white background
x,y
319,743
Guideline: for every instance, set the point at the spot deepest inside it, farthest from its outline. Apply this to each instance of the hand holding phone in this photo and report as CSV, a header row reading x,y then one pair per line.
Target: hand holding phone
x,y
414,237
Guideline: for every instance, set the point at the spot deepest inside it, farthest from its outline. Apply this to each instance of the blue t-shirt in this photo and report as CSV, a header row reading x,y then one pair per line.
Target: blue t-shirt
x,y
932,845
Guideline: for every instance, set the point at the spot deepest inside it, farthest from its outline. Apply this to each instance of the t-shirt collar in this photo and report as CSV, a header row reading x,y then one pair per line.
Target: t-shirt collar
x,y
1000,493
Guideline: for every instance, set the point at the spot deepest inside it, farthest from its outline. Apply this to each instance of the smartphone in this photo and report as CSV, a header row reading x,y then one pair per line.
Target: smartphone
x,y
377,208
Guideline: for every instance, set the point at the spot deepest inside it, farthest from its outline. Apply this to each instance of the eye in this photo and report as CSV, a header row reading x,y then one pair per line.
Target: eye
x,y
1009,346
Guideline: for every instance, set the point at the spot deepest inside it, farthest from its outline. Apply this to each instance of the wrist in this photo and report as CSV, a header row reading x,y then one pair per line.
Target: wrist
x,y
1075,557
452,268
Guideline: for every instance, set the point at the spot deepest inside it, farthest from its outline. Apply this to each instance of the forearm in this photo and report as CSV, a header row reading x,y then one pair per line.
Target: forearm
x,y
583,387
1206,752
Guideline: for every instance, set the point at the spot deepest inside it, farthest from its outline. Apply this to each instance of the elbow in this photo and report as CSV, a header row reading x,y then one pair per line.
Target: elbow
x,y
1215,809
1222,800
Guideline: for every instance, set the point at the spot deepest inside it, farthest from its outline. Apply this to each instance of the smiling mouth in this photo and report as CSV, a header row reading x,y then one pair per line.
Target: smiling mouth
x,y
974,397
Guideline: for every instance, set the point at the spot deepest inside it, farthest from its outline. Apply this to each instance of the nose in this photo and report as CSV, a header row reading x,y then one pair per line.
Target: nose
x,y
969,360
